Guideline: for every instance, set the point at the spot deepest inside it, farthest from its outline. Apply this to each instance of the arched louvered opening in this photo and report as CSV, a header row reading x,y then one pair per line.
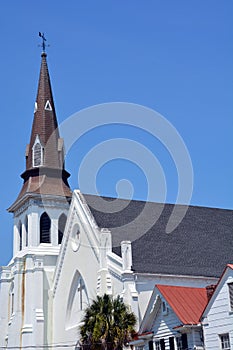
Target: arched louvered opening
x,y
45,227
37,153
20,236
26,231
61,227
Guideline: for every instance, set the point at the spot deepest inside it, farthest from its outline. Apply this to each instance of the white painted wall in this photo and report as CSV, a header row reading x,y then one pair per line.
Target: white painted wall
x,y
79,256
30,272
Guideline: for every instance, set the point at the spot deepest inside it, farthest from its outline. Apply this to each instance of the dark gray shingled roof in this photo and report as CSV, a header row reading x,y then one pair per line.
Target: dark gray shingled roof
x,y
201,245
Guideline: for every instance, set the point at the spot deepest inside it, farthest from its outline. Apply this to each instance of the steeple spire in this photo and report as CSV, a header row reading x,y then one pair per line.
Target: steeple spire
x,y
45,173
45,126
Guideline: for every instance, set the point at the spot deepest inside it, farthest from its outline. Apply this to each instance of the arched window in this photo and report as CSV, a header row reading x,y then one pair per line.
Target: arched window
x,y
26,231
37,153
20,236
45,226
61,227
77,300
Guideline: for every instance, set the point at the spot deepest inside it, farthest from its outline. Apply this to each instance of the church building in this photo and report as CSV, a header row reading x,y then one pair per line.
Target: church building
x,y
67,250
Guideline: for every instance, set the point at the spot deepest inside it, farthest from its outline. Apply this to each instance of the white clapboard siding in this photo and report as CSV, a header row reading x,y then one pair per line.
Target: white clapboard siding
x,y
218,318
163,327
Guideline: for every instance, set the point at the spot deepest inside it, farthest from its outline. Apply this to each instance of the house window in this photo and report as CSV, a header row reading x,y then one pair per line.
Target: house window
x,y
230,287
225,341
45,226
150,345
61,227
164,308
171,343
182,342
160,344
179,343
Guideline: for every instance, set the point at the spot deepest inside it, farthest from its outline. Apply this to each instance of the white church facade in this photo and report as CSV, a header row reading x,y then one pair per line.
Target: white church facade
x,y
67,249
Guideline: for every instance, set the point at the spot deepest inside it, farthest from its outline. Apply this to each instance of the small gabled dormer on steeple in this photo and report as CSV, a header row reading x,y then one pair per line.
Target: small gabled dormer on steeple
x,y
43,201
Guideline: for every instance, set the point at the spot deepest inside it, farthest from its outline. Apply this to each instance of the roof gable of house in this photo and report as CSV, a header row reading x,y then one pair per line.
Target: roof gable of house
x,y
188,303
225,274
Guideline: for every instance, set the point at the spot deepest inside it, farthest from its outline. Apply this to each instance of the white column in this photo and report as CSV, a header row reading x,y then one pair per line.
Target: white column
x,y
104,282
33,228
27,298
4,304
54,232
23,235
16,238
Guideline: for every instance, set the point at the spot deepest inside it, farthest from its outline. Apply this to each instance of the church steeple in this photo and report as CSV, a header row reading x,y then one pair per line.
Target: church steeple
x,y
45,128
45,173
41,209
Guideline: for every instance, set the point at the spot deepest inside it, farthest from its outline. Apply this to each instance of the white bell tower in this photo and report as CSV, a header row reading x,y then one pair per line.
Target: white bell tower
x,y
40,212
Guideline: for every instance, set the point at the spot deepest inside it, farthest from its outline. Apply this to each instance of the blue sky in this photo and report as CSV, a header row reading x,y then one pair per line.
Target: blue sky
x,y
175,57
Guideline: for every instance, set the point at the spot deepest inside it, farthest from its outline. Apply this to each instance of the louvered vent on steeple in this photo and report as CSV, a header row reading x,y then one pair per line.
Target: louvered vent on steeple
x,y
37,153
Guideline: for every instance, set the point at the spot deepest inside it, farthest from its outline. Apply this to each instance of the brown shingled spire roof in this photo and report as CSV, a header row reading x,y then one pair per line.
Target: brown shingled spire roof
x,y
45,173
45,122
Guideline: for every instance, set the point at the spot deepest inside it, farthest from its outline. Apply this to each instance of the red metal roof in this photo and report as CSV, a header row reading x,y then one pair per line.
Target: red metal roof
x,y
188,303
230,265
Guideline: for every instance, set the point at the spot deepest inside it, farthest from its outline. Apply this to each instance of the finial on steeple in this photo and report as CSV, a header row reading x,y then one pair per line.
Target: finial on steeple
x,y
43,45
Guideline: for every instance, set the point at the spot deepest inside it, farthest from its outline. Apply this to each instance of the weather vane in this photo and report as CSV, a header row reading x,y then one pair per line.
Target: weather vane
x,y
43,45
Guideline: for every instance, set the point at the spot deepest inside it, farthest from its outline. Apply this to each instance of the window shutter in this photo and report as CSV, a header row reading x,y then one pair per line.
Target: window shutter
x,y
171,343
184,341
162,344
151,345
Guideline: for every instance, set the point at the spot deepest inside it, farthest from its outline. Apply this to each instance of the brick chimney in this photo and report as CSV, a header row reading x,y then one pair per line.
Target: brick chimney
x,y
210,290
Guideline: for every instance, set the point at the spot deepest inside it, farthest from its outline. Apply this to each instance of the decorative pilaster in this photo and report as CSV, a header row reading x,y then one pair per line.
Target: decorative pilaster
x,y
104,282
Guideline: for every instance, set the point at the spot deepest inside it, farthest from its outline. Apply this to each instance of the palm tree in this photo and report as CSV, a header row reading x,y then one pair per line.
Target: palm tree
x,y
107,324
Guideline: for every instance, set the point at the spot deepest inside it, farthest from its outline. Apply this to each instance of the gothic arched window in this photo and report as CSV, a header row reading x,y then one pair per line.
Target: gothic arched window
x,y
45,227
20,236
61,227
